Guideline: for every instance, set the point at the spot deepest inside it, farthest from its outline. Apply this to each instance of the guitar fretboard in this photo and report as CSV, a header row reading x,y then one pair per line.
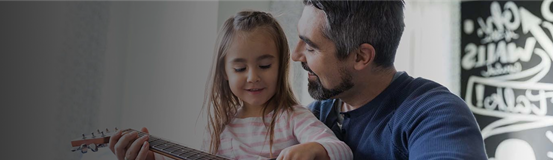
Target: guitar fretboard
x,y
176,151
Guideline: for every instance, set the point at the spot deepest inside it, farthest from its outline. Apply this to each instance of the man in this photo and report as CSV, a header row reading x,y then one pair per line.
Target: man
x,y
348,49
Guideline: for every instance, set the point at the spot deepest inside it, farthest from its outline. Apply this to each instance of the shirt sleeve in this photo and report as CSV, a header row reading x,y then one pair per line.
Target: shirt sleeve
x,y
206,141
307,128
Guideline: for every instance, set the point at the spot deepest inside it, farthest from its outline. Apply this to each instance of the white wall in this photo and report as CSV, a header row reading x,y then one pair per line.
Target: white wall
x,y
29,75
54,57
288,14
228,9
429,47
168,59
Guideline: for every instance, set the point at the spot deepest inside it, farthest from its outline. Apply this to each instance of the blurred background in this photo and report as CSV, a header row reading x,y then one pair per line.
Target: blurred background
x,y
70,68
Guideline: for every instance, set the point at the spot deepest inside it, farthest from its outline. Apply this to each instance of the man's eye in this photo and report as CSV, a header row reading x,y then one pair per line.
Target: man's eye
x,y
239,69
265,66
309,50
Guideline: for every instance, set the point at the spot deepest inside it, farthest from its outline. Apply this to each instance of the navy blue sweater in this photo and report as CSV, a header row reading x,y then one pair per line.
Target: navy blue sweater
x,y
414,119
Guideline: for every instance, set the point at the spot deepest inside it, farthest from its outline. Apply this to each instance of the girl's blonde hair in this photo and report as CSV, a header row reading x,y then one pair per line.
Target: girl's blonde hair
x,y
222,105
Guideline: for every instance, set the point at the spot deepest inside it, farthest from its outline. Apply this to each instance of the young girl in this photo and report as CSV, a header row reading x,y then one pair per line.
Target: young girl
x,y
252,112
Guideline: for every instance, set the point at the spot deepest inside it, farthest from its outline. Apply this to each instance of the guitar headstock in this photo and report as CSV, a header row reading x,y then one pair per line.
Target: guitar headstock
x,y
92,141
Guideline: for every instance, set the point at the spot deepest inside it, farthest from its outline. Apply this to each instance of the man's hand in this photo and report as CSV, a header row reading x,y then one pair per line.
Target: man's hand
x,y
305,151
130,147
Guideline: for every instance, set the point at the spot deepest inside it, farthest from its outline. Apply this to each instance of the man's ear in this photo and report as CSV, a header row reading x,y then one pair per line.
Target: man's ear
x,y
364,56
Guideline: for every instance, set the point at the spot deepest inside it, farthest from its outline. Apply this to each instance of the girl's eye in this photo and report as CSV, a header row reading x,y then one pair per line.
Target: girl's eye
x,y
239,69
265,66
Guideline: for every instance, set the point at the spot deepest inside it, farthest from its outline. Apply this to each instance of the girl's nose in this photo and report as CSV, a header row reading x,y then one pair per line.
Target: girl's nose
x,y
253,77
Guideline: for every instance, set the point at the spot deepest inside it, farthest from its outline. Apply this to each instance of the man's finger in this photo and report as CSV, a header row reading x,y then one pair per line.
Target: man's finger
x,y
145,130
144,150
121,146
113,140
135,147
150,153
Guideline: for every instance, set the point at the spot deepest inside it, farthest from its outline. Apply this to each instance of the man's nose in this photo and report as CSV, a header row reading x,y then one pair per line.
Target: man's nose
x,y
297,54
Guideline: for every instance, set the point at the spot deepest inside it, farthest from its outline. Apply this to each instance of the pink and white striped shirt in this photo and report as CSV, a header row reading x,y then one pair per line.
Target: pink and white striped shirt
x,y
246,138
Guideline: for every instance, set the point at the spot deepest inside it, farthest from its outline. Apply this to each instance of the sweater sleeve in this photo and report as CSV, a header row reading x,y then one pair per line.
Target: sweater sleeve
x,y
445,130
314,107
307,128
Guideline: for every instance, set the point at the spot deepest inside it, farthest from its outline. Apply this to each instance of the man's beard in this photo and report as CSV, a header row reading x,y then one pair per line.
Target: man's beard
x,y
319,92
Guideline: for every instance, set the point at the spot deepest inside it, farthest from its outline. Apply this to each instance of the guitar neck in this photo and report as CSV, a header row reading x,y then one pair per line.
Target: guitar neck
x,y
174,150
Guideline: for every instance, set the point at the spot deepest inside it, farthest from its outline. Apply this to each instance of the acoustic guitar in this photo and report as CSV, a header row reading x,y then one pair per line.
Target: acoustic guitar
x,y
157,145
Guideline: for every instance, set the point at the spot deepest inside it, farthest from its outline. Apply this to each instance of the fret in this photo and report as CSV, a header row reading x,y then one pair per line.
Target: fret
x,y
204,155
155,143
179,151
188,154
199,156
176,150
207,158
152,138
216,158
171,149
163,146
195,156
161,143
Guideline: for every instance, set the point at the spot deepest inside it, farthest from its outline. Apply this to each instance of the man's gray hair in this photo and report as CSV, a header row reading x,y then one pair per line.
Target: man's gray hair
x,y
352,23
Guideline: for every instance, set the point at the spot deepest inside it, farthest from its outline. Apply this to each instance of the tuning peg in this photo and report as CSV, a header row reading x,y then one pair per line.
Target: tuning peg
x,y
116,129
84,137
98,130
93,147
102,134
107,130
93,135
84,148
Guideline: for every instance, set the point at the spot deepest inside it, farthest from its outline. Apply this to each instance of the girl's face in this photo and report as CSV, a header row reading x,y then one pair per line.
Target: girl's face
x,y
251,67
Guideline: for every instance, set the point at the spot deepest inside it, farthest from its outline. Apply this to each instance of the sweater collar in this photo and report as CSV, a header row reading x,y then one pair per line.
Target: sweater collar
x,y
371,106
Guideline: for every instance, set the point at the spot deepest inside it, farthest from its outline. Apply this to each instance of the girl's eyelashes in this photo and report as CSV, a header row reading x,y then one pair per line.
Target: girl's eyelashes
x,y
244,69
239,69
265,66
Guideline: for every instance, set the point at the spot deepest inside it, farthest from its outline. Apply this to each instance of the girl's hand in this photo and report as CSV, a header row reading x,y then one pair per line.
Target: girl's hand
x,y
305,151
130,147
